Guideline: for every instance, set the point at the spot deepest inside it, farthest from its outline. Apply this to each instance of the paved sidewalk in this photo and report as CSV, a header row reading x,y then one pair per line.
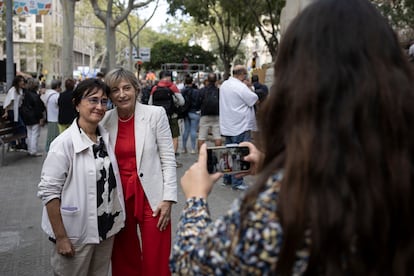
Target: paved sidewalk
x,y
24,248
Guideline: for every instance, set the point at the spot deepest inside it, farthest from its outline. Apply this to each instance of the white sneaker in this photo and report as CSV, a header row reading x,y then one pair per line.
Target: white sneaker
x,y
241,187
36,154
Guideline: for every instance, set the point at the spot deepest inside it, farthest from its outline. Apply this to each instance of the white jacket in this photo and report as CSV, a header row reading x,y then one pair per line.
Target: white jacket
x,y
69,173
16,98
156,166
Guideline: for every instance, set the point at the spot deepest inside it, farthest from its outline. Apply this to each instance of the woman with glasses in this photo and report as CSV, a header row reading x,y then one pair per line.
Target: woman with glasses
x,y
144,149
81,189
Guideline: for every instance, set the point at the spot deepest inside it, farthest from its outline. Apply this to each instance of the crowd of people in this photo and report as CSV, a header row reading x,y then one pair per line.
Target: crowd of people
x,y
330,144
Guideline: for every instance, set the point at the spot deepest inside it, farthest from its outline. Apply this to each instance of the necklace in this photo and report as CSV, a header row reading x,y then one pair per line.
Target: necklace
x,y
127,119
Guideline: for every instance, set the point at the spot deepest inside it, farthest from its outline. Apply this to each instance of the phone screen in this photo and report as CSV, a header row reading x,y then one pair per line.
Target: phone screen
x,y
227,159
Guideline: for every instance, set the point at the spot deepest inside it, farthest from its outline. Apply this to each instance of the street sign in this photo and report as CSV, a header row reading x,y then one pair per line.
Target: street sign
x,y
145,54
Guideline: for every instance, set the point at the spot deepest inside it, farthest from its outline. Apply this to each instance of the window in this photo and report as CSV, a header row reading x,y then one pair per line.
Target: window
x,y
38,19
23,51
22,32
23,65
22,18
39,33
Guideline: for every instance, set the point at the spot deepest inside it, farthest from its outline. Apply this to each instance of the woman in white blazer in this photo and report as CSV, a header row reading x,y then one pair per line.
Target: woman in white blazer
x,y
81,189
144,150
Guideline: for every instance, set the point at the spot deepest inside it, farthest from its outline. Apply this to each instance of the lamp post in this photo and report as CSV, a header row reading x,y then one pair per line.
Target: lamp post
x,y
9,43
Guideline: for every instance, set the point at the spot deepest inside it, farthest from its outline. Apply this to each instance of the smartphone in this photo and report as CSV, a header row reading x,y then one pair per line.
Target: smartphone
x,y
228,159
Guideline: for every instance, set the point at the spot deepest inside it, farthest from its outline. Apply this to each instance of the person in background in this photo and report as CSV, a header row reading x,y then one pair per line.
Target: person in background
x,y
144,149
334,193
209,98
101,76
146,87
50,99
34,118
166,82
67,112
237,116
192,119
260,89
81,189
12,102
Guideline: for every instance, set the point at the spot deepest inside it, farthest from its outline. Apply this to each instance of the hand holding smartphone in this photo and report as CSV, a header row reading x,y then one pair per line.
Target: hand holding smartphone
x,y
227,159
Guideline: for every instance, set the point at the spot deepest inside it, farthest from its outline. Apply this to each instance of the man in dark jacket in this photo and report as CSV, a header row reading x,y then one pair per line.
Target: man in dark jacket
x,y
67,112
261,90
32,112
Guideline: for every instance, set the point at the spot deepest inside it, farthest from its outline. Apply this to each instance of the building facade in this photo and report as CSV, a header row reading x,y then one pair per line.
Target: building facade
x,y
37,44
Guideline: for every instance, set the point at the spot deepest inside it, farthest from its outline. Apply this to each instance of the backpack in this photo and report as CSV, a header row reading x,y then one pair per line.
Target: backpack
x,y
182,111
163,96
25,112
210,104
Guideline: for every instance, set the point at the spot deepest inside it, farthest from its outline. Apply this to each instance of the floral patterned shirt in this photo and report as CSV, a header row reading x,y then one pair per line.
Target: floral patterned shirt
x,y
203,247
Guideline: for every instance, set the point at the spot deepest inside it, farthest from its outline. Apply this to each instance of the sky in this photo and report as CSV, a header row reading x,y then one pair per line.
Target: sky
x,y
160,16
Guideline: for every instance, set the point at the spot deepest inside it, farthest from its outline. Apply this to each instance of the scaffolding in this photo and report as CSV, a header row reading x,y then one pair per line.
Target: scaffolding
x,y
184,67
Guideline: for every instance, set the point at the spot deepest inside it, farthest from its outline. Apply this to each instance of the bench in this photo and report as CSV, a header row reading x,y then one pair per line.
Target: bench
x,y
7,135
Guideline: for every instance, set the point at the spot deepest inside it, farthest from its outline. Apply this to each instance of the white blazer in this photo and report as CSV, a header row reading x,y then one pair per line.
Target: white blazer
x,y
154,150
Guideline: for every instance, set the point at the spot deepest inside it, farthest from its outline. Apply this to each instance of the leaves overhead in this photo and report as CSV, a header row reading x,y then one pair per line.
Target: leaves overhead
x,y
166,51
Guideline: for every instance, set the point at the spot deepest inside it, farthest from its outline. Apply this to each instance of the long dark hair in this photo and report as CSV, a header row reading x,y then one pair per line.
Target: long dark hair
x,y
16,81
339,122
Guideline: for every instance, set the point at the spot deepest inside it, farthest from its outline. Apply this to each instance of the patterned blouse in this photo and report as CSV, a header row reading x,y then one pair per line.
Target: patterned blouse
x,y
203,247
108,205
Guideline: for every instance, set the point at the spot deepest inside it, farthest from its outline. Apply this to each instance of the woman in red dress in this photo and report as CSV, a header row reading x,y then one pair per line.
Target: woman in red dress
x,y
144,150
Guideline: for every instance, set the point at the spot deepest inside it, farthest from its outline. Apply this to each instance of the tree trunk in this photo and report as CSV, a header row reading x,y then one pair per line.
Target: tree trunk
x,y
68,9
111,46
227,69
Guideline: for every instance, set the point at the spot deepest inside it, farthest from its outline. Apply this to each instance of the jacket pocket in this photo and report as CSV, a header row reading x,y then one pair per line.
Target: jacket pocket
x,y
71,218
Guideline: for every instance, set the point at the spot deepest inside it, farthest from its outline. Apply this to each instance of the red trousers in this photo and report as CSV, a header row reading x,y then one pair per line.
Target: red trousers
x,y
129,258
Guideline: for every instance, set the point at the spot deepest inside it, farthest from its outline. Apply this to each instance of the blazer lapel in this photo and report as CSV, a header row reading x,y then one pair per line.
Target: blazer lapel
x,y
113,130
140,132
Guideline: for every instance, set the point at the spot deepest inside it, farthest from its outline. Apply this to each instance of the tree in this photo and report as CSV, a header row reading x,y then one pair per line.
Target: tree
x,y
267,16
68,9
111,20
133,36
400,13
229,22
166,51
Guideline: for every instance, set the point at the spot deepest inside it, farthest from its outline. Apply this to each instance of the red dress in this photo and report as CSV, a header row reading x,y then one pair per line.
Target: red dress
x,y
128,258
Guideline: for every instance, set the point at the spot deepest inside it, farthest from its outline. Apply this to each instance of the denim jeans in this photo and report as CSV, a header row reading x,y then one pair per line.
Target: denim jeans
x,y
243,137
190,128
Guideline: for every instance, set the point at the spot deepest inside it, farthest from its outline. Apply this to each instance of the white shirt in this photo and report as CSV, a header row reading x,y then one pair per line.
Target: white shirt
x,y
15,98
69,173
236,108
50,99
411,51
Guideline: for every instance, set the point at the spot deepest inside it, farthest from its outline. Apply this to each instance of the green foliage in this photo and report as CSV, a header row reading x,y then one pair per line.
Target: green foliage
x,y
399,12
230,22
166,51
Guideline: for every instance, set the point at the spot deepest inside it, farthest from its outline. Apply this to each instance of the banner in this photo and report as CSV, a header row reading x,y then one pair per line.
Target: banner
x,y
24,7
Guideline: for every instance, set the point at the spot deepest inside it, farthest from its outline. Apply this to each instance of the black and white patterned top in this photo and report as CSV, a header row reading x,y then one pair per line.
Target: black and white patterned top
x,y
108,205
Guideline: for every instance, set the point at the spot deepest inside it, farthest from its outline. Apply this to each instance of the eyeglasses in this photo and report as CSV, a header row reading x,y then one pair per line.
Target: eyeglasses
x,y
95,101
